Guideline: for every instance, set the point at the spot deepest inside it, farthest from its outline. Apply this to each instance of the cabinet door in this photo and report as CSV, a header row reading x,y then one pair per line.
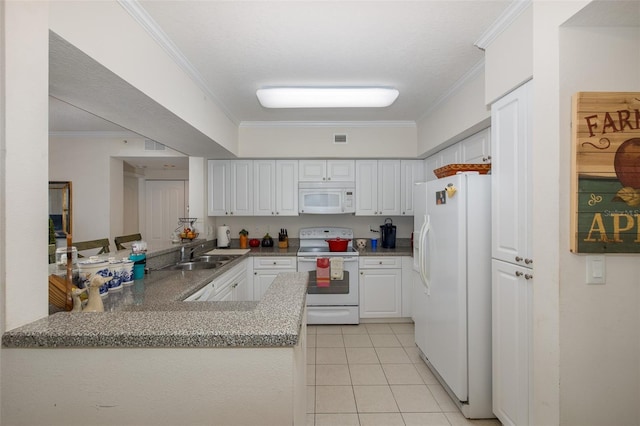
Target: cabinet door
x,y
430,164
411,171
240,289
511,176
218,187
451,155
287,187
476,148
312,170
341,170
264,187
240,190
389,187
380,293
366,187
224,295
261,282
511,342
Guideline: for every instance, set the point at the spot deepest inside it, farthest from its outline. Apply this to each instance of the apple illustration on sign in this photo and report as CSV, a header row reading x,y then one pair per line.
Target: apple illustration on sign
x,y
627,163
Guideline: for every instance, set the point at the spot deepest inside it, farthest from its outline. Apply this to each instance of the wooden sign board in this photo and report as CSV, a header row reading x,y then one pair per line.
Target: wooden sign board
x,y
605,208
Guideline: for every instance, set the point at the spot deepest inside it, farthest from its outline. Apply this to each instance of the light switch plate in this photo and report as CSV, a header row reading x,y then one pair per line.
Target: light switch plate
x,y
596,269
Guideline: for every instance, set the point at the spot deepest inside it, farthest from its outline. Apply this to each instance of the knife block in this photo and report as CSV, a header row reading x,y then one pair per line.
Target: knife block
x,y
284,243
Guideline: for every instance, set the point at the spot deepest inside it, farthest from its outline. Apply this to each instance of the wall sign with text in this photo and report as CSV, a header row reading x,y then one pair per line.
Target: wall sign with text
x,y
605,208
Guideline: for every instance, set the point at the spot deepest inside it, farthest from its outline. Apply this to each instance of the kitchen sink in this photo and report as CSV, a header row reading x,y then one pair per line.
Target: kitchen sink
x,y
192,266
201,262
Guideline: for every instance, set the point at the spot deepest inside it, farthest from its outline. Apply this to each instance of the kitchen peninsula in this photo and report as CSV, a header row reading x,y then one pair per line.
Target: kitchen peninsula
x,y
163,361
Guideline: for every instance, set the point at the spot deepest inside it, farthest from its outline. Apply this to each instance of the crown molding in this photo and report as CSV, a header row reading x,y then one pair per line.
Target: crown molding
x,y
510,14
159,36
263,124
469,75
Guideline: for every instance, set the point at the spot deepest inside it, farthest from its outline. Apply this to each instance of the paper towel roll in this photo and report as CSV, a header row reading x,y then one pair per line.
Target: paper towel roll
x,y
224,236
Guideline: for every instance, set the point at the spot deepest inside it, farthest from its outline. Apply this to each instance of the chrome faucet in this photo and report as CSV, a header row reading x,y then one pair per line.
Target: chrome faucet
x,y
183,254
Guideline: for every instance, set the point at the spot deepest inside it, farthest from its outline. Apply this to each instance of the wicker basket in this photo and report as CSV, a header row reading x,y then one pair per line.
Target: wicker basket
x,y
452,169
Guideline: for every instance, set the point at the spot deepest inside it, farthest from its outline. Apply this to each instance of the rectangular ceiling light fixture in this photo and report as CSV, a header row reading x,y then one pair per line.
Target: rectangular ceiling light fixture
x,y
327,97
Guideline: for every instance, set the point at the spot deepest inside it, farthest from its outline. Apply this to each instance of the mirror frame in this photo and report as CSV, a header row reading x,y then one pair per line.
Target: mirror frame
x,y
67,203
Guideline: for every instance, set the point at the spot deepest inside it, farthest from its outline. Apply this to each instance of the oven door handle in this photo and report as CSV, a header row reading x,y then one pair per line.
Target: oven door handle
x,y
313,259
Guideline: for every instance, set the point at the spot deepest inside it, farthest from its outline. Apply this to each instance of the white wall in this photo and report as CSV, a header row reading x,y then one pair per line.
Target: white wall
x,y
24,227
108,34
509,60
95,168
599,324
459,116
365,140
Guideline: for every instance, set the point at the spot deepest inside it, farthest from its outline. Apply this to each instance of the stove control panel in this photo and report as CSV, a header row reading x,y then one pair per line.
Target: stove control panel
x,y
319,233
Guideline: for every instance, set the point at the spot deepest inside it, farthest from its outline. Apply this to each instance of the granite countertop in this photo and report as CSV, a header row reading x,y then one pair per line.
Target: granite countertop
x,y
151,313
155,316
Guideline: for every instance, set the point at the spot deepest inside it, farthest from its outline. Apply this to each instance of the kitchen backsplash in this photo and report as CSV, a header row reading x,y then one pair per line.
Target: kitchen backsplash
x,y
260,225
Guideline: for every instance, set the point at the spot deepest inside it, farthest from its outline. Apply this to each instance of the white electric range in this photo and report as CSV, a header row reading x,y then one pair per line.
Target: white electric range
x,y
337,302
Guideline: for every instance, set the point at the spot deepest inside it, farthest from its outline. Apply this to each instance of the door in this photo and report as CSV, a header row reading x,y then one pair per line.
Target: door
x,y
511,349
380,293
366,187
446,310
287,187
419,301
411,171
264,186
388,185
511,194
165,203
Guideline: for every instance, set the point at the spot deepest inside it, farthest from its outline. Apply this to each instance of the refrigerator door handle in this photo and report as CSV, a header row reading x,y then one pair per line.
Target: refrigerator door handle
x,y
424,232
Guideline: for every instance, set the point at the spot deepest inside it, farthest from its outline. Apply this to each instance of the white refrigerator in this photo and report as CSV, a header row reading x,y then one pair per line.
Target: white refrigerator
x,y
452,286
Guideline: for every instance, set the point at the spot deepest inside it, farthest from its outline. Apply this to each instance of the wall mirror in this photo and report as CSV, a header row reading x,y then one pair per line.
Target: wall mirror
x,y
60,208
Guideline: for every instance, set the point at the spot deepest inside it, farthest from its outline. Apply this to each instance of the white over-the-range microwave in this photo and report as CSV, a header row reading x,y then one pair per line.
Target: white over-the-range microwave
x,y
326,197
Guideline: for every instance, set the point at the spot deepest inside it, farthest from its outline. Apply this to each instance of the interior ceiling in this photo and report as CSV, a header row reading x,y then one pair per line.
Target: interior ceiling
x,y
419,47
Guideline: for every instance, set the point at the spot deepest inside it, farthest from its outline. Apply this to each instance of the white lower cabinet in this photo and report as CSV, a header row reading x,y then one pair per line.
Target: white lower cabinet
x,y
230,286
266,269
511,302
380,285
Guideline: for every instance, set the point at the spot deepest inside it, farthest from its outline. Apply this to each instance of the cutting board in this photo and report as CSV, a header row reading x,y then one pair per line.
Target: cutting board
x,y
231,252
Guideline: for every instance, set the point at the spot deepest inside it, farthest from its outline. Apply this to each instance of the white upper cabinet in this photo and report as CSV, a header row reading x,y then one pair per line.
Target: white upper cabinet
x,y
511,177
451,155
430,164
411,171
264,187
287,187
230,184
477,148
275,187
326,170
378,187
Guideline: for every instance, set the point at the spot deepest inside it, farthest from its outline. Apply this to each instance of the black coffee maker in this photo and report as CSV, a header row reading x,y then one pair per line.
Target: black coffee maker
x,y
388,233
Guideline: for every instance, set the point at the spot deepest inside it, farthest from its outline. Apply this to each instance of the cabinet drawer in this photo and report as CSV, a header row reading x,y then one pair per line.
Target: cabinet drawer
x,y
380,262
274,262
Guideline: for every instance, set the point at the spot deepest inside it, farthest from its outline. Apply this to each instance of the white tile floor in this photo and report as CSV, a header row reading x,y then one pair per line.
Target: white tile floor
x,y
371,374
